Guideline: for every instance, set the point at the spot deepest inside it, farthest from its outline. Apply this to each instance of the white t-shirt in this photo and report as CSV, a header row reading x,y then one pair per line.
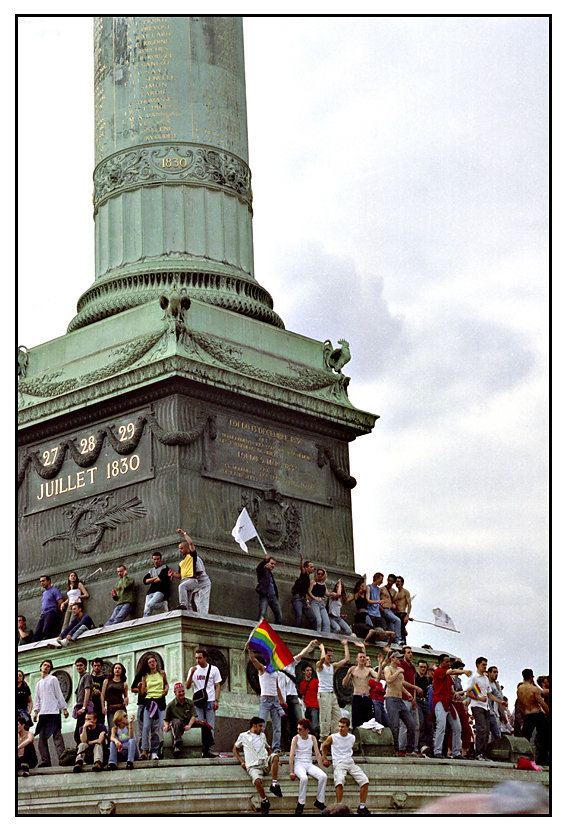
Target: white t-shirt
x,y
268,683
286,685
341,749
335,605
325,676
254,746
200,675
484,685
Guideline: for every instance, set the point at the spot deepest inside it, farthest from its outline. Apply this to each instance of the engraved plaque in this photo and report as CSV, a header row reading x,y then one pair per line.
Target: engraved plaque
x,y
255,453
92,465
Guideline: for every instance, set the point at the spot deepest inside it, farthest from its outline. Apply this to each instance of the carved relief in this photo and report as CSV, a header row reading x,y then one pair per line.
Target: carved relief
x,y
90,519
335,359
326,454
193,165
276,518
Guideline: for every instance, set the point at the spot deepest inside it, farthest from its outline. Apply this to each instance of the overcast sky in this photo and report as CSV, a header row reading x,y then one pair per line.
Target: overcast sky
x,y
400,201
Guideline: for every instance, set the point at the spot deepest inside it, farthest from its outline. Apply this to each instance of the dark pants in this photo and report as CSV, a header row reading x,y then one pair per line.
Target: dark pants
x,y
313,715
401,616
397,712
178,729
47,626
273,603
49,725
362,709
301,608
29,758
540,724
380,713
482,728
425,722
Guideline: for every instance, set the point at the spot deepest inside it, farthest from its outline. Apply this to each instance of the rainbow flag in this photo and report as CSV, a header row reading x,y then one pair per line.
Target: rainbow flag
x,y
476,689
270,646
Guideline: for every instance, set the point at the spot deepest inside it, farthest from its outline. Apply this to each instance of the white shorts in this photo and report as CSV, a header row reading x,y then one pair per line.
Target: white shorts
x,y
262,767
340,771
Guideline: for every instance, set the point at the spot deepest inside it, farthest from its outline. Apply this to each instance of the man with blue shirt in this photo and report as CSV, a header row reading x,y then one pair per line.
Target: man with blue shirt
x,y
48,624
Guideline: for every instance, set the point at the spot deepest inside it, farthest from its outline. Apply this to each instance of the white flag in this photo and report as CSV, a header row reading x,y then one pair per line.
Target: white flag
x,y
443,620
244,530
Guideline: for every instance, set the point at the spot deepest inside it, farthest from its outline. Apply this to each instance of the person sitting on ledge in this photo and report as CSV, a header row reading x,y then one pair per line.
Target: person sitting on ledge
x,y
181,716
258,760
124,593
341,745
91,745
80,623
303,746
122,741
26,756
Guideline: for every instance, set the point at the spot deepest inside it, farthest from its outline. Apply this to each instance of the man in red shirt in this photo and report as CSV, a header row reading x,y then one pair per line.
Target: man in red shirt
x,y
443,707
308,688
409,700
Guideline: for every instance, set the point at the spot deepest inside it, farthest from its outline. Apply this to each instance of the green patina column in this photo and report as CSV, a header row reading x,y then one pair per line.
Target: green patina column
x,y
172,195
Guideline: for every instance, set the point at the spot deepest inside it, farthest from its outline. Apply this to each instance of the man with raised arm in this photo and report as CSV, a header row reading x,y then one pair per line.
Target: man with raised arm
x,y
360,673
195,584
299,590
288,688
271,700
395,708
329,710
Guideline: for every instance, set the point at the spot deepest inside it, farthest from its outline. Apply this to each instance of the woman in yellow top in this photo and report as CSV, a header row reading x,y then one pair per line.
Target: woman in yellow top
x,y
154,685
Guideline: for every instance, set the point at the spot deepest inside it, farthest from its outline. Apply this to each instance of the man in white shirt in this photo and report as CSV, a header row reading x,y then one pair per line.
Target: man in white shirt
x,y
479,692
341,745
271,700
258,760
329,710
205,677
49,702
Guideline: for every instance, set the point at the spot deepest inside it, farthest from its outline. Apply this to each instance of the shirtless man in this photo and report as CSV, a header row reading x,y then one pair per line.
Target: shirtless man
x,y
395,708
536,716
388,595
359,673
402,605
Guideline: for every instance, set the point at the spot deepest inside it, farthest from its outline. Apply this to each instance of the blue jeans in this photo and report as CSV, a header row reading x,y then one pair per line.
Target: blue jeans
x,y
152,725
129,751
300,609
155,601
274,605
441,717
269,705
414,713
397,711
119,613
391,618
380,714
339,625
494,726
321,617
207,715
312,714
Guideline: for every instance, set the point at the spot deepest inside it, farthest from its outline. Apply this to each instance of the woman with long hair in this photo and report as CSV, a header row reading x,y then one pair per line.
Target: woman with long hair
x,y
114,694
337,598
76,591
154,685
359,597
122,741
317,594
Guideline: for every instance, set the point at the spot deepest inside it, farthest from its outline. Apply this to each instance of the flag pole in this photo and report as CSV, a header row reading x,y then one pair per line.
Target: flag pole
x,y
441,627
261,544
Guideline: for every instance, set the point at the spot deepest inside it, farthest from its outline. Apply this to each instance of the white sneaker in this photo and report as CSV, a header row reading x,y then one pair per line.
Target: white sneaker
x,y
154,756
54,643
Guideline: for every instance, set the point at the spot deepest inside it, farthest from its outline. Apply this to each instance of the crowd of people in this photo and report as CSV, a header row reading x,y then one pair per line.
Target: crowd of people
x,y
435,710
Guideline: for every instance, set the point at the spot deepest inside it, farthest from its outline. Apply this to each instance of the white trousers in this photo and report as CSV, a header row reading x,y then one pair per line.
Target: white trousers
x,y
302,771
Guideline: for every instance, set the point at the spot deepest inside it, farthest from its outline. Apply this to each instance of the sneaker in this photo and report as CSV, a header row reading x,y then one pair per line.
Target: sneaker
x,y
97,766
77,768
130,764
275,789
363,810
25,772
54,643
144,755
155,756
208,753
112,766
438,756
319,805
177,751
424,749
401,754
299,809
181,607
265,806
415,754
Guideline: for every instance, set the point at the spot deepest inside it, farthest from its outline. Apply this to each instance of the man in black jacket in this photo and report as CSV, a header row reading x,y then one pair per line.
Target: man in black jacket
x,y
159,585
267,589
